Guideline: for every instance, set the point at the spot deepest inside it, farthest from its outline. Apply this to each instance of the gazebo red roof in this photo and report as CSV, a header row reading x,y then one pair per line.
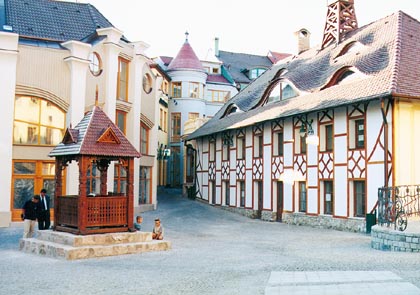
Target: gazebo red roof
x,y
95,135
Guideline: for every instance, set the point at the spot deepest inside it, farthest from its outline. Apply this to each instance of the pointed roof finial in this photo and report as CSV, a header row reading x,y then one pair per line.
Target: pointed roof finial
x,y
186,36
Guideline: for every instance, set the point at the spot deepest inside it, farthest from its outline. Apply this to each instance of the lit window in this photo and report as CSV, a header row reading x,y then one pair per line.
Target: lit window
x,y
37,122
122,82
95,64
147,83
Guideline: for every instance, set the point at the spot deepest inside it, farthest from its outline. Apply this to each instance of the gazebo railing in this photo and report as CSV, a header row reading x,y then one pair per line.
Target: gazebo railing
x,y
101,212
397,204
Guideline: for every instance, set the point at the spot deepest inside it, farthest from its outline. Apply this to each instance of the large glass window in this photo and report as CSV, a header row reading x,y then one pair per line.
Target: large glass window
x,y
359,198
28,178
176,89
144,181
175,127
302,196
122,82
37,122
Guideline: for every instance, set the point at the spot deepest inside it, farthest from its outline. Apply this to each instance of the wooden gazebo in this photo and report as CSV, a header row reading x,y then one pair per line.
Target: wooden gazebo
x,y
96,140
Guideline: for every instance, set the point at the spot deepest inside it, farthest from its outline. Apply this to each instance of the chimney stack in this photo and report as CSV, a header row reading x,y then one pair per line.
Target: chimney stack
x,y
341,18
216,46
303,37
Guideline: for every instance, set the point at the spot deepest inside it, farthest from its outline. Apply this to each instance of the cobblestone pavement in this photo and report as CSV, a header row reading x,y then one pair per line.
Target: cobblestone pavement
x,y
213,252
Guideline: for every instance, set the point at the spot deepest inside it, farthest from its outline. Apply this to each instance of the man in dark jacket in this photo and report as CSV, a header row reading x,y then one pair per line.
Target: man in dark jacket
x,y
44,220
30,212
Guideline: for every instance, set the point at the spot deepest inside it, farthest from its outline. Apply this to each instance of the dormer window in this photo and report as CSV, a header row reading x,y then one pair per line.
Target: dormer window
x,y
344,76
281,91
233,108
352,47
255,73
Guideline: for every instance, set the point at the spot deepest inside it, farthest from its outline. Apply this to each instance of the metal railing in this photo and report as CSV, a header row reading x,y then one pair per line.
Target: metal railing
x,y
397,204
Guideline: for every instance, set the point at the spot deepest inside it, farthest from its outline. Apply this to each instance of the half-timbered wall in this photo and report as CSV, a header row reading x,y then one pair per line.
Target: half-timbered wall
x,y
338,160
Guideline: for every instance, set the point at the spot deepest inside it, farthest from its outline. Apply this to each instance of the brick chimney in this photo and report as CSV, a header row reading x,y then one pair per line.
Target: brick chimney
x,y
303,37
341,18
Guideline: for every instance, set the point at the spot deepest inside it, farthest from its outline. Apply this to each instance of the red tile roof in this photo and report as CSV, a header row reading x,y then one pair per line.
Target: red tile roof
x,y
186,59
97,136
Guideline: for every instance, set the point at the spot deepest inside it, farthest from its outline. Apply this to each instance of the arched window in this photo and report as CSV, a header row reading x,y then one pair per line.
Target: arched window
x,y
343,76
232,108
37,122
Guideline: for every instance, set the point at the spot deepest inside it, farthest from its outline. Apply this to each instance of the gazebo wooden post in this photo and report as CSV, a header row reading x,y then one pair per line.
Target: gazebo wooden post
x,y
103,168
58,189
82,202
130,193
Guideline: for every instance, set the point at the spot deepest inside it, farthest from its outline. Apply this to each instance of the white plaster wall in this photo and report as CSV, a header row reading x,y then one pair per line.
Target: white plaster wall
x,y
376,180
374,122
267,176
340,142
340,191
312,201
288,197
312,176
248,189
8,60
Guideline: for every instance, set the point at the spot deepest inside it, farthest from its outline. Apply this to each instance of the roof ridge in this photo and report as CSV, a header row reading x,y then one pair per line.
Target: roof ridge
x,y
397,55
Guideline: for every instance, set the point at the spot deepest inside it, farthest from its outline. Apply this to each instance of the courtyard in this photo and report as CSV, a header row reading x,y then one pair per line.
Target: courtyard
x,y
213,252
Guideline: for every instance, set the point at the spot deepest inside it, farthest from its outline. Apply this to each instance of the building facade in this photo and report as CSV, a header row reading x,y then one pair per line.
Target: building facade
x,y
313,138
55,67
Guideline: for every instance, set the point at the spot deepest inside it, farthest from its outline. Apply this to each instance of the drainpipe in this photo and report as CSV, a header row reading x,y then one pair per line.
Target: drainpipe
x,y
385,121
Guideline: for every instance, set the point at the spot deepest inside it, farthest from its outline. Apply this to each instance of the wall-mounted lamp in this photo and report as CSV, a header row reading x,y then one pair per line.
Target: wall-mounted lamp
x,y
306,130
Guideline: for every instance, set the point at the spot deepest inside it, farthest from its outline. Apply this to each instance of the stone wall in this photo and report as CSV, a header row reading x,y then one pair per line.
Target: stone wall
x,y
388,239
325,221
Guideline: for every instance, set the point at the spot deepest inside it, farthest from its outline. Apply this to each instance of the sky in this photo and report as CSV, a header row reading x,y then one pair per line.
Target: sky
x,y
243,26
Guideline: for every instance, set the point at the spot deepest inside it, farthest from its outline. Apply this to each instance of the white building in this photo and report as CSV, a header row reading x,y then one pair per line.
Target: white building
x,y
312,139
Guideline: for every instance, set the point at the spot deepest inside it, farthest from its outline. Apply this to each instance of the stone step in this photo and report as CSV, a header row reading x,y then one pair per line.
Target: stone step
x,y
95,239
68,252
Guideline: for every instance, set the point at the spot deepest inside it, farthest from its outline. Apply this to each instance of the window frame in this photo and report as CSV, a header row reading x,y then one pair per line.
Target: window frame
x,y
359,202
176,89
175,127
147,83
95,64
120,81
357,124
303,197
118,116
328,188
144,142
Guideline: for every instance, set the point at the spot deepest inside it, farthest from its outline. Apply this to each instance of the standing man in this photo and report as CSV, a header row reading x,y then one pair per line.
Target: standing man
x,y
30,213
44,220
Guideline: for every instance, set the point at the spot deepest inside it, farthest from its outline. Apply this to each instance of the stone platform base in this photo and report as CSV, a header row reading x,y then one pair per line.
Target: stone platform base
x,y
68,246
387,239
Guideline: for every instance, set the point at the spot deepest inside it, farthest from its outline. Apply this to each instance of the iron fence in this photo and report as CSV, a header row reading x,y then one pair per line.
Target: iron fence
x,y
396,204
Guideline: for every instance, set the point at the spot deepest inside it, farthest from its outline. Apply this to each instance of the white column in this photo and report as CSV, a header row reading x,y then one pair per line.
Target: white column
x,y
112,50
135,90
78,63
8,61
